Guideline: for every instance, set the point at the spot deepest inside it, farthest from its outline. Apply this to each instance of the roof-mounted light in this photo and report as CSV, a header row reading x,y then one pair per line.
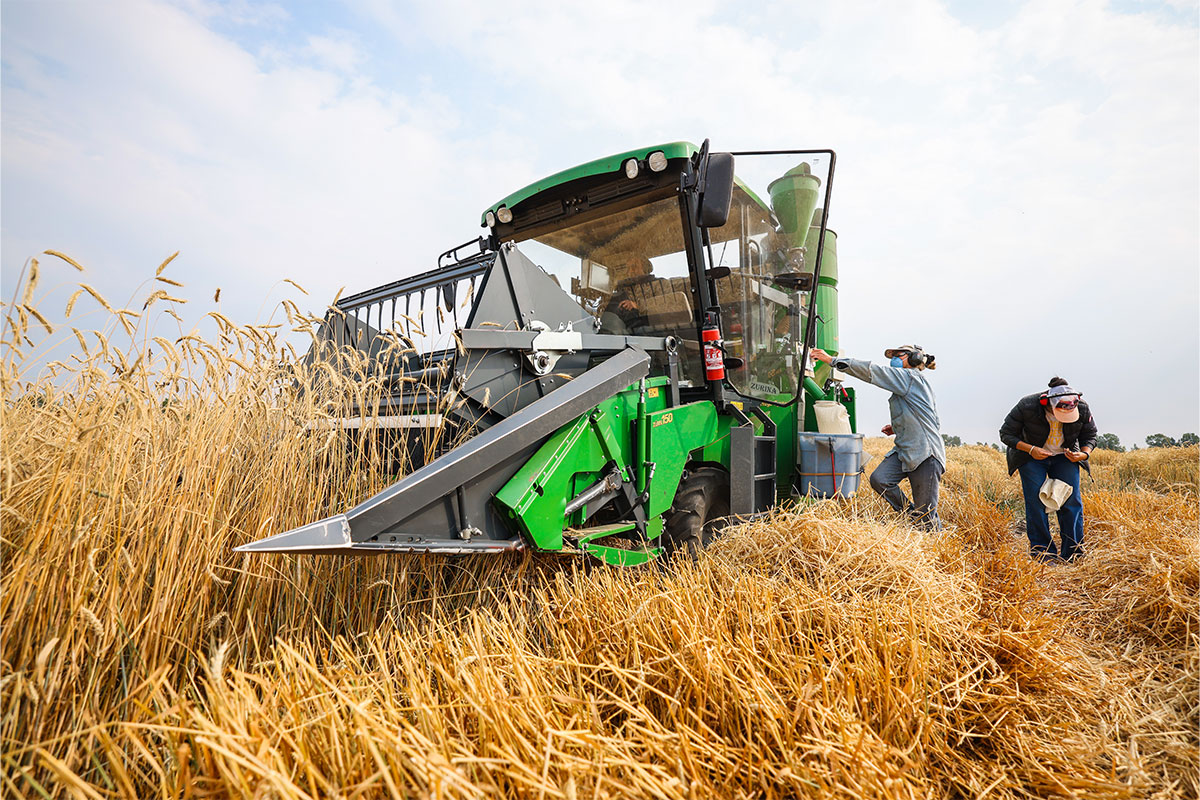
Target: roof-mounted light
x,y
490,218
504,214
657,161
631,168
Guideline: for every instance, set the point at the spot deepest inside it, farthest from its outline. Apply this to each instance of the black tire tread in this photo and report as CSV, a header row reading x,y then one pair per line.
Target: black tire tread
x,y
701,502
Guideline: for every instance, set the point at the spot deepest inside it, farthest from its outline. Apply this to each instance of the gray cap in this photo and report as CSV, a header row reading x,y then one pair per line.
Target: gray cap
x,y
1060,394
1060,391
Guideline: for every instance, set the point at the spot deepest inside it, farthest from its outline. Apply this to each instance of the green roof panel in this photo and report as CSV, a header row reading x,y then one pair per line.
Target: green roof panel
x,y
598,167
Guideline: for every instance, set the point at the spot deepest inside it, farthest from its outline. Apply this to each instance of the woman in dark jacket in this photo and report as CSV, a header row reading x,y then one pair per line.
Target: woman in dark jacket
x,y
1048,436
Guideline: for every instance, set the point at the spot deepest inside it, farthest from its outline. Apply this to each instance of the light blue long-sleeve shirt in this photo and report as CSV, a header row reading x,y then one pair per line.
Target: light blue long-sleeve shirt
x,y
914,410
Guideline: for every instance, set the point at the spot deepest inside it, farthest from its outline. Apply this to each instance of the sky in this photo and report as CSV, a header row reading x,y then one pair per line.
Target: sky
x,y
1018,184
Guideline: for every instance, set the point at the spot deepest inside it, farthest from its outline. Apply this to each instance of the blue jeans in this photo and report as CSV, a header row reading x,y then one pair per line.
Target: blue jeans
x,y
1070,516
923,480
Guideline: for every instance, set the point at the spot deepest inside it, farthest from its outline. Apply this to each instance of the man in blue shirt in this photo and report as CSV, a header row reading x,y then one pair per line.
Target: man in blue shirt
x,y
919,453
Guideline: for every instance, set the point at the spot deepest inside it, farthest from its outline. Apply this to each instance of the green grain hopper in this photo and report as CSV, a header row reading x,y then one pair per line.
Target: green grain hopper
x,y
621,358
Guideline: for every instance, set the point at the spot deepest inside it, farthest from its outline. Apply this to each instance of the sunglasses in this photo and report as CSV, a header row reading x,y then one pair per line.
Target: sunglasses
x,y
1066,405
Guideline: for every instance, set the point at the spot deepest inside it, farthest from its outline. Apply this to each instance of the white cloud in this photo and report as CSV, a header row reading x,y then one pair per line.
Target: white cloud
x,y
340,54
236,12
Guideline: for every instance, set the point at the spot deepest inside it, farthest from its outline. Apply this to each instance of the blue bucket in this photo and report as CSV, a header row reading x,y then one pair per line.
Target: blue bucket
x,y
831,464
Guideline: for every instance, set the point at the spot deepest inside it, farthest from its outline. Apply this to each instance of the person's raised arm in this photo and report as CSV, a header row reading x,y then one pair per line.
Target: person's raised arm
x,y
894,379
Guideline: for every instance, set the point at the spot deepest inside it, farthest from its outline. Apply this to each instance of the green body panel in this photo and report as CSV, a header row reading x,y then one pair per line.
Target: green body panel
x,y
600,166
674,434
717,450
535,499
575,457
620,557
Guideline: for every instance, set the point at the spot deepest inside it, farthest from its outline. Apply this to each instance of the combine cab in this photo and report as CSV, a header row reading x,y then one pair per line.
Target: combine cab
x,y
620,362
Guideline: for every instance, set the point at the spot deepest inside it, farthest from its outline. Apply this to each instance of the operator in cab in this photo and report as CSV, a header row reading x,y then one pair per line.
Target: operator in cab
x,y
919,453
624,304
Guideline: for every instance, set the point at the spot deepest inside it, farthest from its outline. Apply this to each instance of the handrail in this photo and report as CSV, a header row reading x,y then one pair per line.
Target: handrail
x,y
423,308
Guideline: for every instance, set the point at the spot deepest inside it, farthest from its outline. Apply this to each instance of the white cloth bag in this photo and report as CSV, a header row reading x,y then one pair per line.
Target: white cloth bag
x,y
832,417
1054,493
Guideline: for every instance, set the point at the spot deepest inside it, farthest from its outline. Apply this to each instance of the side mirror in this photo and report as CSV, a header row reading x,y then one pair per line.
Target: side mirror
x,y
718,190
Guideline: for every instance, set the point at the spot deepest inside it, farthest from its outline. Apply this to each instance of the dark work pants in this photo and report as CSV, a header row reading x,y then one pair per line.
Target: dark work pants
x,y
924,482
1070,516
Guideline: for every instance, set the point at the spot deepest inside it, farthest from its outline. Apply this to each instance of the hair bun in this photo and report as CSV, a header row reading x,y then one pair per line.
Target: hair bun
x,y
1057,381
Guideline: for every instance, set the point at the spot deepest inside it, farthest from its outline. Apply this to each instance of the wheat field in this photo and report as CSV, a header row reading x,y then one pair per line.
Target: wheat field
x,y
829,650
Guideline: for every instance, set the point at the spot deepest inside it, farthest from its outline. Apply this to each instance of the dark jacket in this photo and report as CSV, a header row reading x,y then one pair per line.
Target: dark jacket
x,y
1027,423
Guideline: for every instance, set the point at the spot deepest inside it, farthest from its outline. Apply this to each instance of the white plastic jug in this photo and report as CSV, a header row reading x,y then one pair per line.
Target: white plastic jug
x,y
832,417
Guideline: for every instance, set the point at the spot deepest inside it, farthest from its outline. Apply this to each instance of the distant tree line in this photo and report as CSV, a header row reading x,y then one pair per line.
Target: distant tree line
x,y
1110,441
955,441
1105,441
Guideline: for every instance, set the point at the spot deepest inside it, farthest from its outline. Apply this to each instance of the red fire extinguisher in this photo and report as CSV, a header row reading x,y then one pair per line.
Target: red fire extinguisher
x,y
714,356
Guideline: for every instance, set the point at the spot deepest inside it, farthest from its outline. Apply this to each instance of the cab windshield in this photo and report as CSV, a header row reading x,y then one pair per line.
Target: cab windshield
x,y
628,269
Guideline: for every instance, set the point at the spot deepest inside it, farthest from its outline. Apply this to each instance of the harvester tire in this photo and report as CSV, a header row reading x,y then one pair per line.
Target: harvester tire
x,y
700,511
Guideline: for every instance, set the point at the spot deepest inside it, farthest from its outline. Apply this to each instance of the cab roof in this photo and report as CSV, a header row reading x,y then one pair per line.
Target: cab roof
x,y
600,166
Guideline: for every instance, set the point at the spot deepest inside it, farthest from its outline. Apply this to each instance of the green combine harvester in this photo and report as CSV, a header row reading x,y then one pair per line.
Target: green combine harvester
x,y
621,360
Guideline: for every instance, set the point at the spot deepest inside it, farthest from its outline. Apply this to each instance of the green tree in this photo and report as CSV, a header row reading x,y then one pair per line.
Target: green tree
x,y
1160,440
1189,439
951,441
1109,441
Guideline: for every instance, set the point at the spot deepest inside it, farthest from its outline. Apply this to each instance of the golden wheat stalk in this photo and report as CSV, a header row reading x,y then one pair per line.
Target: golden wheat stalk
x,y
30,283
65,258
158,272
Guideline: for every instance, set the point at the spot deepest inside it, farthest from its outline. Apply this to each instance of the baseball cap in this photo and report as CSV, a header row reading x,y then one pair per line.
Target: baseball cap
x,y
1064,403
904,348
